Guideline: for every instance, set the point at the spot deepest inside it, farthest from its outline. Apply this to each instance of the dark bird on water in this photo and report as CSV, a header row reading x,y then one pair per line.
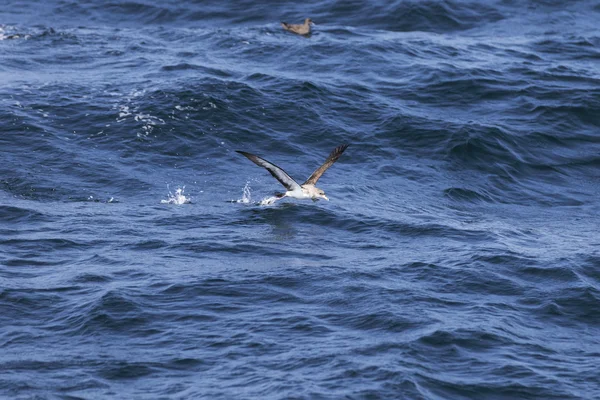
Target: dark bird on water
x,y
300,29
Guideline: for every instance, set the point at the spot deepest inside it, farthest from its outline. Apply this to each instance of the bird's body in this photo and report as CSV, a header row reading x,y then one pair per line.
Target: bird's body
x,y
299,29
307,190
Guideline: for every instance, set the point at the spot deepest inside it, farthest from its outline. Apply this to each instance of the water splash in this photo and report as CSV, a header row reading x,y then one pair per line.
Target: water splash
x,y
267,201
246,194
247,197
10,32
177,198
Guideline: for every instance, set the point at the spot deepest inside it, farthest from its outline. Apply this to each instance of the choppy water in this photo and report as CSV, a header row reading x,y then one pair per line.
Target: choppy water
x,y
457,259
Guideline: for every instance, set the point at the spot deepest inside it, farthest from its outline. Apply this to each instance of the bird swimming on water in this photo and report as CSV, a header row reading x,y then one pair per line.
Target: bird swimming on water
x,y
300,29
307,190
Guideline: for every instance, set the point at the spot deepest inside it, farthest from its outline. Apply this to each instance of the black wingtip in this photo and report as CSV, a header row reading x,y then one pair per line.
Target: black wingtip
x,y
341,148
249,156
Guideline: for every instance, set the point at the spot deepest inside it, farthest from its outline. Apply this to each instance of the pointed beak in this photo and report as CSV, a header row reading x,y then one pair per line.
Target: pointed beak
x,y
325,197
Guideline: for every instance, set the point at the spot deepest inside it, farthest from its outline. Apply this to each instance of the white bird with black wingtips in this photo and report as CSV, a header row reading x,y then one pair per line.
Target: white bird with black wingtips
x,y
307,190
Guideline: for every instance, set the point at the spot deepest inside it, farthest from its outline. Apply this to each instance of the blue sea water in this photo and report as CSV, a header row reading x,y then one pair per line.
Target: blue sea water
x,y
458,256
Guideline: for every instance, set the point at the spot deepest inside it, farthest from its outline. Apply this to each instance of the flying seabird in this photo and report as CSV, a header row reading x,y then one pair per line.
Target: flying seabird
x,y
300,29
307,190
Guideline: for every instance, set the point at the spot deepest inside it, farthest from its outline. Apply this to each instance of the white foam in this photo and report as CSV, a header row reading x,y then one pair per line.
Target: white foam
x,y
131,110
3,29
210,105
93,199
177,198
123,112
10,32
267,201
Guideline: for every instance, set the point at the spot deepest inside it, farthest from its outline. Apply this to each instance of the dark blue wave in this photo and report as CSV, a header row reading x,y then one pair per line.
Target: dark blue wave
x,y
457,256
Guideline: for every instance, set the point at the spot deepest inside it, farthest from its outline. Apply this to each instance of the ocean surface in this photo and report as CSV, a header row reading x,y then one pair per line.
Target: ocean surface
x,y
458,256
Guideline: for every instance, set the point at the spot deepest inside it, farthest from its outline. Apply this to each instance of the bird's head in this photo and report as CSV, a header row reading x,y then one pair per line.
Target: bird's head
x,y
308,21
321,194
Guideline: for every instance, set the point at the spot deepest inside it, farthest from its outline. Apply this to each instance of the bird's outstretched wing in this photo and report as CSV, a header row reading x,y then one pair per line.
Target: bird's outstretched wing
x,y
333,157
277,172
